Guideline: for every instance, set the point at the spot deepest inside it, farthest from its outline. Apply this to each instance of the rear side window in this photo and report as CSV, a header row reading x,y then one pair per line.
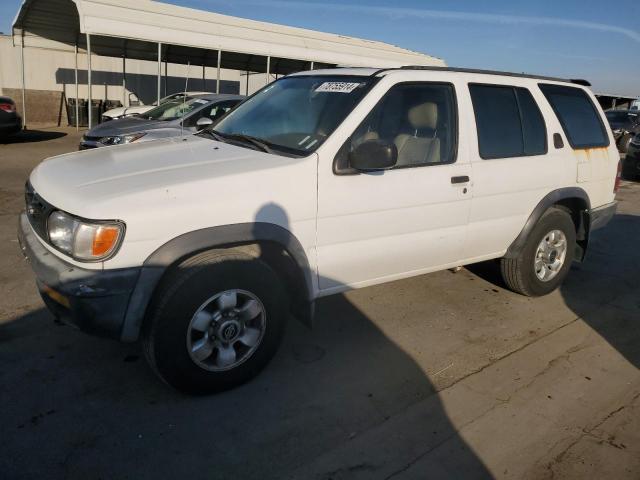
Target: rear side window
x,y
577,114
509,122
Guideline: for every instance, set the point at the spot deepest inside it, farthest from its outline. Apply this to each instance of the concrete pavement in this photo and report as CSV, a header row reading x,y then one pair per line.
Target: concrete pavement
x,y
441,376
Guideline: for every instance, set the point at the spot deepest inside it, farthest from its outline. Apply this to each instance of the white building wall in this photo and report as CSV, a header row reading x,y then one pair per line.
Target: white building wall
x,y
52,70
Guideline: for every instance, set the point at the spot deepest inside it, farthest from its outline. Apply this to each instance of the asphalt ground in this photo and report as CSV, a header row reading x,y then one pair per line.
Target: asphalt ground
x,y
447,375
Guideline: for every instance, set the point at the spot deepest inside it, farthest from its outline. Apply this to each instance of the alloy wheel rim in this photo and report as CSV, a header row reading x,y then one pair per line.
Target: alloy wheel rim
x,y
226,330
550,255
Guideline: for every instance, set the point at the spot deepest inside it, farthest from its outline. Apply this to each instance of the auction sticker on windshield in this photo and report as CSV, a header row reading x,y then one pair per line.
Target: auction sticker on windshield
x,y
337,87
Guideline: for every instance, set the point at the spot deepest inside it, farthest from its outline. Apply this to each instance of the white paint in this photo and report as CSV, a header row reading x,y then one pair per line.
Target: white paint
x,y
357,230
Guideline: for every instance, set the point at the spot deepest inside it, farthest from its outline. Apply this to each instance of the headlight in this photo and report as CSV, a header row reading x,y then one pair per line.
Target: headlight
x,y
617,131
121,139
84,240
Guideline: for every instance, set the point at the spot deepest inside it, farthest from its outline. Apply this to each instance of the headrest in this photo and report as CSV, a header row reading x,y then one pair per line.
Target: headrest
x,y
424,115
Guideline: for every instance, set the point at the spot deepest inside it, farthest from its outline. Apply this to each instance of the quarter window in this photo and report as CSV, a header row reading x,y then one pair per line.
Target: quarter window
x,y
508,121
577,114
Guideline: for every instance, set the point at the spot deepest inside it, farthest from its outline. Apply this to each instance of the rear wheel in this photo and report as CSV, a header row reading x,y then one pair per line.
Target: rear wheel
x,y
216,321
546,258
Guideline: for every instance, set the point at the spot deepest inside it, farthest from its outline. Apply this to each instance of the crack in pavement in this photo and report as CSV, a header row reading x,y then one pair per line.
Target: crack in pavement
x,y
588,432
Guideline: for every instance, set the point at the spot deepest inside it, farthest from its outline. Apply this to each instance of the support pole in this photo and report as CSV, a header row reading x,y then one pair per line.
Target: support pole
x,y
159,71
246,92
124,78
268,68
311,66
218,74
77,106
24,96
89,106
166,78
204,77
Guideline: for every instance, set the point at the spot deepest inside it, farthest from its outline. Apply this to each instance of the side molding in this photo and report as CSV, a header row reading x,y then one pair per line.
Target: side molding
x,y
190,243
554,198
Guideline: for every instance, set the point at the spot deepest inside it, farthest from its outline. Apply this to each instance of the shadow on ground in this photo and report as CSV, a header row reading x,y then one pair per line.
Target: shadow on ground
x,y
607,278
99,409
95,409
30,136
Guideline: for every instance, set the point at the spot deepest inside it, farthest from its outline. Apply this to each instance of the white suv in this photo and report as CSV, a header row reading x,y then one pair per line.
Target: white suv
x,y
321,182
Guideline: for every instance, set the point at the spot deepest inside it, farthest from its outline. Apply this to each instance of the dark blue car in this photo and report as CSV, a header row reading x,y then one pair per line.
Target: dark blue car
x,y
10,121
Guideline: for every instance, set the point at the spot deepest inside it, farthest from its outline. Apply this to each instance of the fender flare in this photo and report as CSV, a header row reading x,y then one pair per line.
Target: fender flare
x,y
549,200
155,266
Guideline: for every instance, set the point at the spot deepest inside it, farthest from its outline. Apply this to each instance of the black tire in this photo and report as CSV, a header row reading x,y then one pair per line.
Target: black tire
x,y
183,291
623,144
519,273
630,169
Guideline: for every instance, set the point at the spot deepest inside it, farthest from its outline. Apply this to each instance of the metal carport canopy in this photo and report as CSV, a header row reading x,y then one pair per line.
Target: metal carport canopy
x,y
150,30
56,23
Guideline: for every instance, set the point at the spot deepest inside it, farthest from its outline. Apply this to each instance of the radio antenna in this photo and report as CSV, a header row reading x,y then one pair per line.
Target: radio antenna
x,y
184,98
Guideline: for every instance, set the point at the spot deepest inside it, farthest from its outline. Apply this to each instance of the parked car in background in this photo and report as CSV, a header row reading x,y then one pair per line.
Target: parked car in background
x,y
635,105
170,119
631,168
624,125
10,121
322,182
122,112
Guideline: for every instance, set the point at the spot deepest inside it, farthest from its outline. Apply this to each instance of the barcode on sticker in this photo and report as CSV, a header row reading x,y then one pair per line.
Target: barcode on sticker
x,y
337,87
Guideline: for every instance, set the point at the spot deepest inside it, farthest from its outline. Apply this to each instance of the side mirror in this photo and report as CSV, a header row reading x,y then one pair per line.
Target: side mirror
x,y
203,122
373,155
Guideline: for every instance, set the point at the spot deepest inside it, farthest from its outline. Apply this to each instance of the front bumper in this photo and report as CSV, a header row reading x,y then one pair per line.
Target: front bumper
x,y
95,301
601,216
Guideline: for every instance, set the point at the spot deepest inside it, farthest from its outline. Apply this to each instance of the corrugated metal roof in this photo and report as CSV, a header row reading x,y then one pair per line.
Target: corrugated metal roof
x,y
56,23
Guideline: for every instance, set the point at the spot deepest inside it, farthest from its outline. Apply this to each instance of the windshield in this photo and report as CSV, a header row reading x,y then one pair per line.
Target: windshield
x,y
296,114
175,109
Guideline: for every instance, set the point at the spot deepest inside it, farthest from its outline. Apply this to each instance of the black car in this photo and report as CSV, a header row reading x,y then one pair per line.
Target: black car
x,y
624,124
631,166
10,121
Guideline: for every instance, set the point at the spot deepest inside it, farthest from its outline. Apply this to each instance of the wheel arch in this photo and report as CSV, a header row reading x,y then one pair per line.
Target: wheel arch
x,y
572,199
272,243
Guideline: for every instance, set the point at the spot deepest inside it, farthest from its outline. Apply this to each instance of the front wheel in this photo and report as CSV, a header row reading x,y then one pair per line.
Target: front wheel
x,y
546,258
216,321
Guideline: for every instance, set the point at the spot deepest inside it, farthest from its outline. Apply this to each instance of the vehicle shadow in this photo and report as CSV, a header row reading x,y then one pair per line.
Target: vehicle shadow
x,y
603,291
86,407
75,406
31,136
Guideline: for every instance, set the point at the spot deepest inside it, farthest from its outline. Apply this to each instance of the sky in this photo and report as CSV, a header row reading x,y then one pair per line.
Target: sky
x,y
592,39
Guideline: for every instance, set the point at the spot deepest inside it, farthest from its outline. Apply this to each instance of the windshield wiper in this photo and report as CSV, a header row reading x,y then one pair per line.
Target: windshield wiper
x,y
261,144
213,134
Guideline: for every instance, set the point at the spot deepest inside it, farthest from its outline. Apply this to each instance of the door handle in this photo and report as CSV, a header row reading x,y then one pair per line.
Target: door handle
x,y
460,179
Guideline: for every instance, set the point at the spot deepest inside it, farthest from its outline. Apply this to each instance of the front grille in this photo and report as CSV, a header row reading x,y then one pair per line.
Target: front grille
x,y
38,211
91,139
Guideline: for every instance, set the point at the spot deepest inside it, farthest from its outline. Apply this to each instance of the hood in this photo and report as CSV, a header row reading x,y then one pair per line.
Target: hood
x,y
145,175
123,126
120,111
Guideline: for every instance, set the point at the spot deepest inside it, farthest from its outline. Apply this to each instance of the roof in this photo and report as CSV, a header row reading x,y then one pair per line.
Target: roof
x,y
369,72
59,23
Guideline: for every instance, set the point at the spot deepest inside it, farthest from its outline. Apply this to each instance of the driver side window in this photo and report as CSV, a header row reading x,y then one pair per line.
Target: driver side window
x,y
419,119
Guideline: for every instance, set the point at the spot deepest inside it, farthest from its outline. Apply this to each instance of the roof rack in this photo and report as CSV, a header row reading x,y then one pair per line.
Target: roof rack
x,y
484,72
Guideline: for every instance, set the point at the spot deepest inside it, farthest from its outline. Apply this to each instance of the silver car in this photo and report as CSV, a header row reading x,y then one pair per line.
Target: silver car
x,y
171,119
